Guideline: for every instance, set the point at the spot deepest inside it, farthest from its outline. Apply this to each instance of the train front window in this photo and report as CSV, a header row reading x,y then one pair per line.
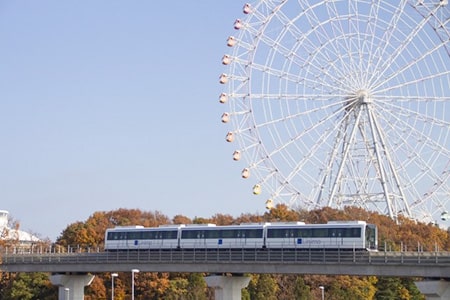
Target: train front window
x,y
113,235
371,236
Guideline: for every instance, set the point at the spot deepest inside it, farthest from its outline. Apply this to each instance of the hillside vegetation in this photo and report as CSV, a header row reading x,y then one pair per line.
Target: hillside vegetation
x,y
405,234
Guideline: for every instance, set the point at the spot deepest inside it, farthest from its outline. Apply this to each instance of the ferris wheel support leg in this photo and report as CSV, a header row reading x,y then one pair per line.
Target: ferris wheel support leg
x,y
347,145
434,289
376,131
227,287
71,286
376,137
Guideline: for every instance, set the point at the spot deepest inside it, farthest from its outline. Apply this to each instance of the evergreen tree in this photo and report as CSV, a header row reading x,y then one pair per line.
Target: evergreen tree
x,y
301,290
263,287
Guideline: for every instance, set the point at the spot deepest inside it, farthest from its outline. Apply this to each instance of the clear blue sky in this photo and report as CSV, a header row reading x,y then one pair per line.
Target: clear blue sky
x,y
114,104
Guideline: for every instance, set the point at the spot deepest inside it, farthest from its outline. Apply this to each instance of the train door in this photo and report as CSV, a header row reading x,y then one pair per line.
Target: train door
x,y
336,238
132,239
292,238
241,237
200,241
288,238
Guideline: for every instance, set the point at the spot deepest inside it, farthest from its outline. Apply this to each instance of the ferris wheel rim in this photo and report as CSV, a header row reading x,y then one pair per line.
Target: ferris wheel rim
x,y
332,102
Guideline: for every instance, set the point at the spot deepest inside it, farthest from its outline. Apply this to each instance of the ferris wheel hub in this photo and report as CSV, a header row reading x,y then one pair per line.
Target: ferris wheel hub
x,y
363,96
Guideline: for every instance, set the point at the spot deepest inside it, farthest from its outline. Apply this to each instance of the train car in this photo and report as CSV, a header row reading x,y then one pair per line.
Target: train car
x,y
231,236
139,237
357,235
333,235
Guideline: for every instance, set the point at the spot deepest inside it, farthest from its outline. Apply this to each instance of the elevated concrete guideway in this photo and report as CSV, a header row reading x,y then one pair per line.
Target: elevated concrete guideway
x,y
402,264
218,261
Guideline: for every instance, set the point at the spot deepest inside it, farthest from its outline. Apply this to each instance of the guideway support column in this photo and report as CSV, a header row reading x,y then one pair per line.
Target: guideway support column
x,y
227,287
71,286
434,289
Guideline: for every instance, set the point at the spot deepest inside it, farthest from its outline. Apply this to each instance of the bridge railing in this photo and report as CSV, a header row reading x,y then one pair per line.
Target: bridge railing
x,y
311,256
41,248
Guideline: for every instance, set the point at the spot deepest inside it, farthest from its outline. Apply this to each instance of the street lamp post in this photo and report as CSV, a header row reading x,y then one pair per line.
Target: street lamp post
x,y
322,290
113,275
132,282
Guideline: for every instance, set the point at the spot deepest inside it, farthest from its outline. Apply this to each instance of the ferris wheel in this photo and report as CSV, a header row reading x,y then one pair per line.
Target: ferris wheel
x,y
342,103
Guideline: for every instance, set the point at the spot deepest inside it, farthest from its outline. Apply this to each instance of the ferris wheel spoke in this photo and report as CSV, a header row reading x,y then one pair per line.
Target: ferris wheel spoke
x,y
412,99
291,55
354,24
295,79
386,39
321,56
300,97
388,117
424,118
428,78
320,33
311,151
369,44
298,165
297,115
294,58
417,162
407,40
413,63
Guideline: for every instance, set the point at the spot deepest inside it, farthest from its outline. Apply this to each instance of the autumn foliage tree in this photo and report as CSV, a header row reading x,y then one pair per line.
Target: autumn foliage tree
x,y
401,234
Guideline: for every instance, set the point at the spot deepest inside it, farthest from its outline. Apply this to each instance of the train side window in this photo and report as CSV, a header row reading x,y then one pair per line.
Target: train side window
x,y
253,233
134,235
211,234
169,234
304,232
192,234
228,234
353,232
356,232
148,235
334,232
319,232
276,233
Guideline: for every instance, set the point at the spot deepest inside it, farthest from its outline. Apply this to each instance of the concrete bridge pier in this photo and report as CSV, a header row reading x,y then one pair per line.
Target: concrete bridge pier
x,y
71,286
227,287
434,289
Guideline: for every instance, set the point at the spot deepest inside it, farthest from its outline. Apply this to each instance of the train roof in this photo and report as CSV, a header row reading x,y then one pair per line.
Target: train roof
x,y
139,227
171,225
201,225
129,227
234,226
286,223
347,222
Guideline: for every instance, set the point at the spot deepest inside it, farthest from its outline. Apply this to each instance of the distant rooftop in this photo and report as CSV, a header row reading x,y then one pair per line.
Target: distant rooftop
x,y
14,234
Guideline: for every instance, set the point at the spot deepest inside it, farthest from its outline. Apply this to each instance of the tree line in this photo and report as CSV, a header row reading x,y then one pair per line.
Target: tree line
x,y
403,234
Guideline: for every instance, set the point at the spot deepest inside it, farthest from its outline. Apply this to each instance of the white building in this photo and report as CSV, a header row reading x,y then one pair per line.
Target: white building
x,y
12,234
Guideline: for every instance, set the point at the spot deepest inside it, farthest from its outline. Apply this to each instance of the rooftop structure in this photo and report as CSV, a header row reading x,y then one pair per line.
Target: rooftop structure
x,y
7,233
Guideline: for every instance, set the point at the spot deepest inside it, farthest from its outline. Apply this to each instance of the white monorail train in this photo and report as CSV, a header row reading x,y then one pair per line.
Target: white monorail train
x,y
334,235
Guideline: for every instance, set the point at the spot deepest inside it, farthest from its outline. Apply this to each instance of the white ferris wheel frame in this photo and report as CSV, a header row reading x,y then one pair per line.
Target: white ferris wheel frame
x,y
337,103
